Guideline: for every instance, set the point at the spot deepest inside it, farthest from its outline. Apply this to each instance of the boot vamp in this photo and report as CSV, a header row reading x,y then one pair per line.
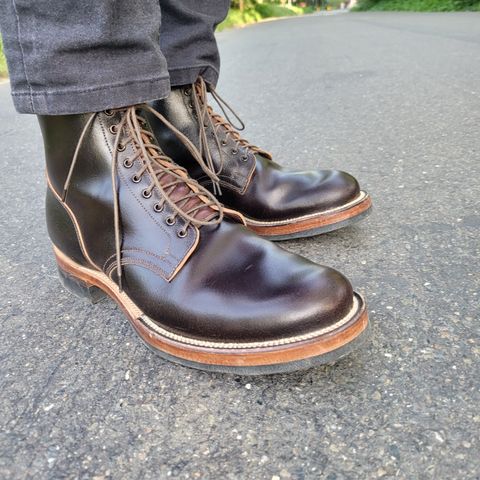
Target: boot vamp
x,y
277,194
239,287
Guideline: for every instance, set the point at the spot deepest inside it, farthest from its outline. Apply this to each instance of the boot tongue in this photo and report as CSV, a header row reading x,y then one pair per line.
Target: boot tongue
x,y
179,191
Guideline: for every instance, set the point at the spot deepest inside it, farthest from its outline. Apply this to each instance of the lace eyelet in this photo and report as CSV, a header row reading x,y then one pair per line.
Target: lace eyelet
x,y
182,233
234,151
224,143
187,91
146,194
158,208
121,147
127,163
113,129
108,113
190,105
136,179
170,221
244,158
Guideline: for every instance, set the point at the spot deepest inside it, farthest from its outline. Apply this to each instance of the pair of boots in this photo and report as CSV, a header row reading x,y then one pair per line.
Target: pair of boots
x,y
197,283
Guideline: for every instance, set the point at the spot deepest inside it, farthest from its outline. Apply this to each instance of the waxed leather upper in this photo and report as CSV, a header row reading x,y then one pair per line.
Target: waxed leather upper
x,y
251,183
219,282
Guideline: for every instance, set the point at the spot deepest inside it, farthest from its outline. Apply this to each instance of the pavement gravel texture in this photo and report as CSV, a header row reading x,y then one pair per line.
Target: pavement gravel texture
x,y
394,99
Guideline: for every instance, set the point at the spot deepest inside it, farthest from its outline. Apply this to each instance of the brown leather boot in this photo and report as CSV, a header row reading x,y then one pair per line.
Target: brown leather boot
x,y
275,203
199,289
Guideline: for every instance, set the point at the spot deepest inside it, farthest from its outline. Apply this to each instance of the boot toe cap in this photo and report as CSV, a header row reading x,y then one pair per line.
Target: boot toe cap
x,y
336,188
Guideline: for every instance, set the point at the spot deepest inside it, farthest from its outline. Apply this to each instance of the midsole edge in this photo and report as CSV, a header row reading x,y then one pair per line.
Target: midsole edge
x,y
363,197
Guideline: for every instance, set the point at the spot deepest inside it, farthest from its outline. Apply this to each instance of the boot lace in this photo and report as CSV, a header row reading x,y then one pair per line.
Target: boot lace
x,y
207,117
188,200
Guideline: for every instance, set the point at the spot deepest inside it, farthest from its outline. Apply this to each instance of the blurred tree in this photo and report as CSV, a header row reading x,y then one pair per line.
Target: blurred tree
x,y
246,4
243,4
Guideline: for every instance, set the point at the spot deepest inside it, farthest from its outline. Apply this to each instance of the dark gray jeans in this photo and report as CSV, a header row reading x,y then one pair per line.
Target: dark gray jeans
x,y
77,56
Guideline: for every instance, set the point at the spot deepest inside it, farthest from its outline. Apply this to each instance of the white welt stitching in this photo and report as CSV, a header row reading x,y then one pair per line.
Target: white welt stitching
x,y
358,199
271,343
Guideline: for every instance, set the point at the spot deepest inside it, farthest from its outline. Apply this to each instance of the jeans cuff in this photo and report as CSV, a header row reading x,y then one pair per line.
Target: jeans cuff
x,y
92,99
187,75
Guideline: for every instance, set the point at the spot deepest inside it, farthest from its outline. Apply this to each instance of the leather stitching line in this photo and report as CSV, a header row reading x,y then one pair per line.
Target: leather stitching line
x,y
75,225
30,92
240,190
134,261
137,250
149,323
92,89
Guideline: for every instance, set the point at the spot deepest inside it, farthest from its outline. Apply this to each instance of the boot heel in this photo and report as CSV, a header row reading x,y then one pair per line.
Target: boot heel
x,y
80,288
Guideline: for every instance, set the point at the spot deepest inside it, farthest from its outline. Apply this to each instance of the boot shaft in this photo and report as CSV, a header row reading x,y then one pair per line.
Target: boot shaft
x,y
61,134
72,222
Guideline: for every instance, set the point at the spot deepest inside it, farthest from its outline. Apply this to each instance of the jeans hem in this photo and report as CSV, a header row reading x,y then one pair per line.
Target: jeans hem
x,y
92,99
187,75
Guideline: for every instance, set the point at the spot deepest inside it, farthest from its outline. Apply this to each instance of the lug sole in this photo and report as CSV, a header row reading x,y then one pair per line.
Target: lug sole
x,y
314,225
243,359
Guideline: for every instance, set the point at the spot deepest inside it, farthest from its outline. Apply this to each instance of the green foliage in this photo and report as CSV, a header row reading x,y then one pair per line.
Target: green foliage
x,y
237,18
245,4
466,4
234,18
3,62
267,10
418,5
334,3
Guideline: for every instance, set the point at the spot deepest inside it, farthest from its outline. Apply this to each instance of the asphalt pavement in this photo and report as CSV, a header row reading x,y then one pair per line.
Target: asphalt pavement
x,y
392,98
